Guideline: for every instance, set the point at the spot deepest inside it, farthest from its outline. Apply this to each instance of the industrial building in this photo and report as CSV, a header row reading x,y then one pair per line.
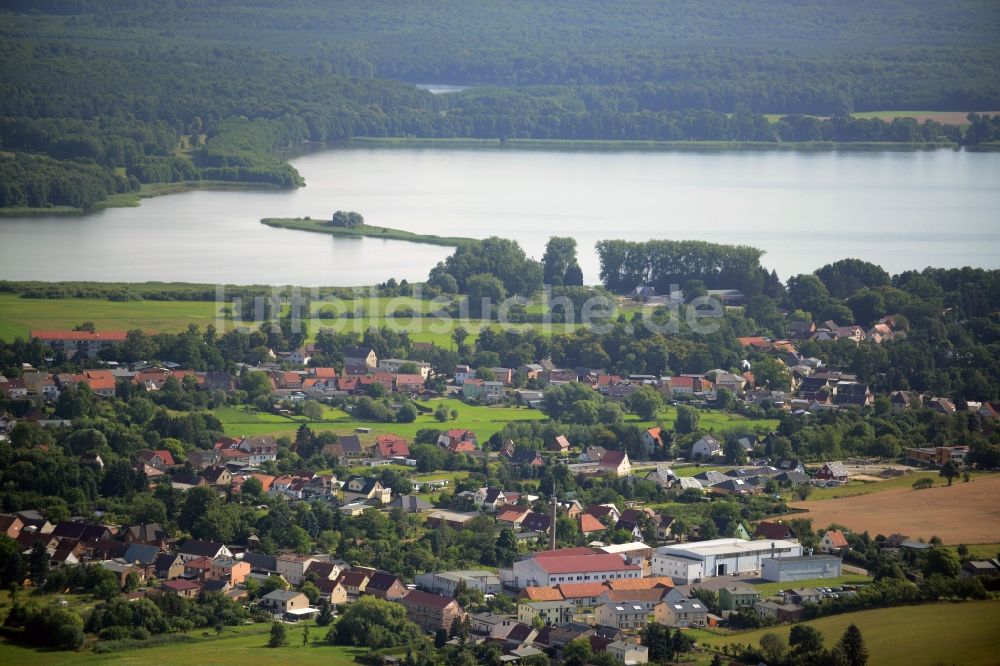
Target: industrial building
x,y
690,562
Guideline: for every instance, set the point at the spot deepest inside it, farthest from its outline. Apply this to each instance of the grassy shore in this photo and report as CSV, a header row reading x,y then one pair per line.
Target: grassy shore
x,y
365,231
681,146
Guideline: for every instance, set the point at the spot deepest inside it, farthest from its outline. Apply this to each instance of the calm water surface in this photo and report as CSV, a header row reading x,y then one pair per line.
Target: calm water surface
x,y
900,209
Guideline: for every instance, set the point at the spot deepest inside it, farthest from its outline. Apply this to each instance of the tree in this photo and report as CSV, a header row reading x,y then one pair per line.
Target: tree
x,y
485,292
373,623
441,413
808,293
804,639
325,615
460,335
950,471
853,646
645,402
312,410
252,488
279,635
407,413
773,648
38,564
560,254
687,420
941,562
573,276
578,652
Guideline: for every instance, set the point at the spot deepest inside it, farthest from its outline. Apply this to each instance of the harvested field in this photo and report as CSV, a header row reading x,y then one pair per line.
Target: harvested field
x,y
964,513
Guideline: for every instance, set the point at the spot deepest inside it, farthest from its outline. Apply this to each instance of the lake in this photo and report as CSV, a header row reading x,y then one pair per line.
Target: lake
x,y
902,210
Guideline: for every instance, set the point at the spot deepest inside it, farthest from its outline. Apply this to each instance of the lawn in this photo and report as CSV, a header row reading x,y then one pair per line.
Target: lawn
x,y
482,419
709,420
19,315
236,645
962,633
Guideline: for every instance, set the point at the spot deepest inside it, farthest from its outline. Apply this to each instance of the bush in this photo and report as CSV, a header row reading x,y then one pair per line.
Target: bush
x,y
923,483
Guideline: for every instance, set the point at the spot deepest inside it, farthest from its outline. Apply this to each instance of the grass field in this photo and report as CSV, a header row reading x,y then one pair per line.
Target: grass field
x,y
482,419
929,634
236,645
963,513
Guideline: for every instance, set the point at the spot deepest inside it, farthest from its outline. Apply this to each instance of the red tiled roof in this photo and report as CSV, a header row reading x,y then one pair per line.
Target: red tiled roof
x,y
578,590
837,539
589,523
594,562
542,594
427,599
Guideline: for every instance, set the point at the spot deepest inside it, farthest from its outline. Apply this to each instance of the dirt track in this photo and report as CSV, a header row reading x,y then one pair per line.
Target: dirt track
x,y
964,513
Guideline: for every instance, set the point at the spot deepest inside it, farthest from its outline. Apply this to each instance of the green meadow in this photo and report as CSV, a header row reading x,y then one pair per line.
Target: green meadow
x,y
942,633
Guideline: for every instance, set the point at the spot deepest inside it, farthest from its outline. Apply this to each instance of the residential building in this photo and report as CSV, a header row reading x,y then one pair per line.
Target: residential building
x,y
705,448
463,373
679,611
79,343
483,390
623,616
628,652
767,530
355,582
431,611
360,357
690,562
293,567
168,567
801,567
280,602
228,569
388,447
386,586
195,548
736,597
615,462
366,488
11,526
392,365
770,610
834,472
458,440
181,587
550,612
833,542
646,598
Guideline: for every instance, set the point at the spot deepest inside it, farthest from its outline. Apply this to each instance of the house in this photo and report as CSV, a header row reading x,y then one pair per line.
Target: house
x,y
69,529
705,448
454,519
280,602
559,444
647,597
652,439
388,447
324,569
592,454
832,471
769,610
483,390
366,488
489,499
360,357
168,567
802,595
11,526
588,524
229,570
900,401
355,582
293,567
615,462
260,449
393,365
386,586
410,504
555,611
766,530
181,587
218,476
158,459
679,611
628,652
527,457
431,611
458,440
980,568
791,465
198,568
409,383
142,557
195,548
800,567
447,582
737,597
662,476
351,446
833,542
79,343
150,534
332,591
623,616
463,373
512,516
605,512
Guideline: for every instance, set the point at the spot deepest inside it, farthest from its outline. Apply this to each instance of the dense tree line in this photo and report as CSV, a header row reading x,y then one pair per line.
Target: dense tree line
x,y
39,181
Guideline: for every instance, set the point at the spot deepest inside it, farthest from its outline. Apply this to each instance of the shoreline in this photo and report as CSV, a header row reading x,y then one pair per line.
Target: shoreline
x,y
134,199
642,144
364,231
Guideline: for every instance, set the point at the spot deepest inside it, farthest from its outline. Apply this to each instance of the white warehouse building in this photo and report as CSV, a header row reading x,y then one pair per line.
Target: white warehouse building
x,y
690,562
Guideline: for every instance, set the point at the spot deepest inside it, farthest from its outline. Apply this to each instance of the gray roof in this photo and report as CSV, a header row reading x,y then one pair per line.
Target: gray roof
x,y
281,595
142,554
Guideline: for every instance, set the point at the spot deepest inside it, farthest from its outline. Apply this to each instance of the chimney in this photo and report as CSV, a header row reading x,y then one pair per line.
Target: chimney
x,y
552,527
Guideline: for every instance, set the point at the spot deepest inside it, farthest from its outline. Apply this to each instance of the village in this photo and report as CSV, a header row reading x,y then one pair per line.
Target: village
x,y
627,566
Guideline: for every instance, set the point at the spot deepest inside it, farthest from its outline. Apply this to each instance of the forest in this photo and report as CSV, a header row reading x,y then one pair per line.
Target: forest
x,y
149,93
